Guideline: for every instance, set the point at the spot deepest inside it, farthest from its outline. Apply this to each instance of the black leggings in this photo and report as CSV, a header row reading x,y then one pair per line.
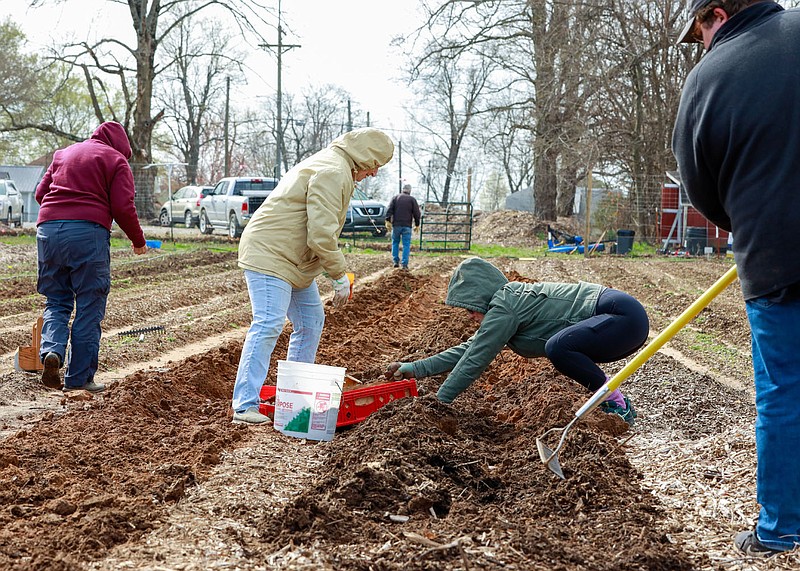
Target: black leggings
x,y
617,329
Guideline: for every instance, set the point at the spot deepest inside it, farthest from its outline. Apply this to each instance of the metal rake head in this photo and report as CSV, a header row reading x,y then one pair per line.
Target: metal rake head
x,y
549,456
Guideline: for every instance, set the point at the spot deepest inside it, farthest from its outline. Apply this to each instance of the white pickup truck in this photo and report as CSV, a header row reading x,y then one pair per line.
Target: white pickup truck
x,y
232,202
12,207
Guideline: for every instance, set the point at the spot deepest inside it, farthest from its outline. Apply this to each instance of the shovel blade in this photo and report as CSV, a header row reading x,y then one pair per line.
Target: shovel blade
x,y
549,458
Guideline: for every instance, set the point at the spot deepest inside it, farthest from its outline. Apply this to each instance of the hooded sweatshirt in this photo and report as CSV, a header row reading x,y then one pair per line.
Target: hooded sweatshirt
x,y
521,315
294,234
92,181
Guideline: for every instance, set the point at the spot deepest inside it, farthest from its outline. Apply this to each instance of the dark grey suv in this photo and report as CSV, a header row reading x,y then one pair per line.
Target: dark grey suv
x,y
365,215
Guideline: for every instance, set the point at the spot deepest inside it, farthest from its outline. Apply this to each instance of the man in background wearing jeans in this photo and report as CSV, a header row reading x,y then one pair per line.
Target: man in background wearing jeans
x,y
403,210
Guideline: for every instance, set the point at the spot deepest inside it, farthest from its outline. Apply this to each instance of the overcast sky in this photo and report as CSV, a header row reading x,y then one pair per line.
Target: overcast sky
x,y
343,42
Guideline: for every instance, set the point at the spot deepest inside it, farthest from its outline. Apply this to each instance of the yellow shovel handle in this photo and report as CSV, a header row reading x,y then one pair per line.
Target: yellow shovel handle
x,y
656,344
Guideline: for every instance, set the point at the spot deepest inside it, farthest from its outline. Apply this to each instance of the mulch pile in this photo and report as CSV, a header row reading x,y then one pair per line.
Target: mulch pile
x,y
510,228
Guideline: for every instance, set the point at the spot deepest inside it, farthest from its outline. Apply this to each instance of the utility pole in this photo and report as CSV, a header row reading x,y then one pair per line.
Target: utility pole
x,y
588,213
428,181
281,47
227,168
349,117
400,166
169,167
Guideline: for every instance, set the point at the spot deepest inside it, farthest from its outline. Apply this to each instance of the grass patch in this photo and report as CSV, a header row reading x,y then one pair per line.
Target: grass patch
x,y
706,343
497,251
19,240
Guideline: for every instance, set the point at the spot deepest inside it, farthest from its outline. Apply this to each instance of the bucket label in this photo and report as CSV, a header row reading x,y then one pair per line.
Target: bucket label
x,y
297,392
322,404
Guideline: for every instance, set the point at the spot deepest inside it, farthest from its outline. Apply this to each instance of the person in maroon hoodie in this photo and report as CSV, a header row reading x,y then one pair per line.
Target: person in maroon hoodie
x,y
88,185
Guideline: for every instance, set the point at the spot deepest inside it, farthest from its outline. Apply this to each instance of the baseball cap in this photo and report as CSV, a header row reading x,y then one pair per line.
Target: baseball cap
x,y
687,33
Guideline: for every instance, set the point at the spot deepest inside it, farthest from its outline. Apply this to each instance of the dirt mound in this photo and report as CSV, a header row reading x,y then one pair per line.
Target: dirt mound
x,y
509,228
429,473
105,470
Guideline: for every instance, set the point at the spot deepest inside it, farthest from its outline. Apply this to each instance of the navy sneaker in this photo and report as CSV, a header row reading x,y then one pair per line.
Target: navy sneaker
x,y
628,413
747,541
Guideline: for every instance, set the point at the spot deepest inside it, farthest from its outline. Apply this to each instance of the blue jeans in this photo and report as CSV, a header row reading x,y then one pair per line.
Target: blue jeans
x,y
74,272
775,329
401,233
273,300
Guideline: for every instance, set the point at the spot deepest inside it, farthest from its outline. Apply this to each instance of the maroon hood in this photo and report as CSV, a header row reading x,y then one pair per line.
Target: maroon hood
x,y
113,134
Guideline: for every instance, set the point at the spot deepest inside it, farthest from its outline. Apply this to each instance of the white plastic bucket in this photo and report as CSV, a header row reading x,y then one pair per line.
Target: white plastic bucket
x,y
307,398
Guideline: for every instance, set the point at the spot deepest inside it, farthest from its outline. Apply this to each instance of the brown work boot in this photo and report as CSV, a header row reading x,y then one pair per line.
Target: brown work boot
x,y
51,378
89,386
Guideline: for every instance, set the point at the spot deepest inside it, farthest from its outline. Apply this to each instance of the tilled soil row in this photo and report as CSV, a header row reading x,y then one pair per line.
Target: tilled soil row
x,y
105,471
162,283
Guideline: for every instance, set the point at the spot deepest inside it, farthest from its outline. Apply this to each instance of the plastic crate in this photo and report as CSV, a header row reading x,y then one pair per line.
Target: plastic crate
x,y
356,404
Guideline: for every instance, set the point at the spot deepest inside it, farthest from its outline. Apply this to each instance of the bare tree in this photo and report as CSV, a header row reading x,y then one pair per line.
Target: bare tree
x,y
451,87
311,120
635,109
200,55
316,118
115,70
505,134
541,46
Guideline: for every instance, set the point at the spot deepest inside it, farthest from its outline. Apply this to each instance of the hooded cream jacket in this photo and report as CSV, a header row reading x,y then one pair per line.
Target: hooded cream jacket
x,y
294,234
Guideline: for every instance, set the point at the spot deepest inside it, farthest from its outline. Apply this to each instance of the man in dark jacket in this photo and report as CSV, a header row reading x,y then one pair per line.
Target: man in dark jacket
x,y
576,326
88,185
737,142
402,211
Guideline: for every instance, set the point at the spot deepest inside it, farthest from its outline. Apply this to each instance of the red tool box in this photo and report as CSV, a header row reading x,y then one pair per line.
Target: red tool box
x,y
356,404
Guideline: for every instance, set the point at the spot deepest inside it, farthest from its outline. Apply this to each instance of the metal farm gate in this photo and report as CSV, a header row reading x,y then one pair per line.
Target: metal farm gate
x,y
445,227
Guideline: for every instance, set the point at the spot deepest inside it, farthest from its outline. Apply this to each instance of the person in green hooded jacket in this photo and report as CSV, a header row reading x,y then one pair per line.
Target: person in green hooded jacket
x,y
576,326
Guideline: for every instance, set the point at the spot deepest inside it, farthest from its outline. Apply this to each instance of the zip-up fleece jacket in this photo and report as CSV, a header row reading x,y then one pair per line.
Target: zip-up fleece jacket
x,y
92,181
522,316
294,234
737,142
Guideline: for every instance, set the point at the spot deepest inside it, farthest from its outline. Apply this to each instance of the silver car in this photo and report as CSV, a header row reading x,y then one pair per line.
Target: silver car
x,y
12,208
184,206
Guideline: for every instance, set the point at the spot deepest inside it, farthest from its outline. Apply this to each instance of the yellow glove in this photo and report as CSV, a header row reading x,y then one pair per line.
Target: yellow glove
x,y
388,226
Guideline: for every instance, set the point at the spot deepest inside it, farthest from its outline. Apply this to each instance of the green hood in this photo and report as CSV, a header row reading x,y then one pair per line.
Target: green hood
x,y
473,285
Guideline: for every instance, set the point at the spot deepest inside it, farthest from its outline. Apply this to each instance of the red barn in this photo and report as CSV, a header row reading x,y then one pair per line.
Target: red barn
x,y
682,226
